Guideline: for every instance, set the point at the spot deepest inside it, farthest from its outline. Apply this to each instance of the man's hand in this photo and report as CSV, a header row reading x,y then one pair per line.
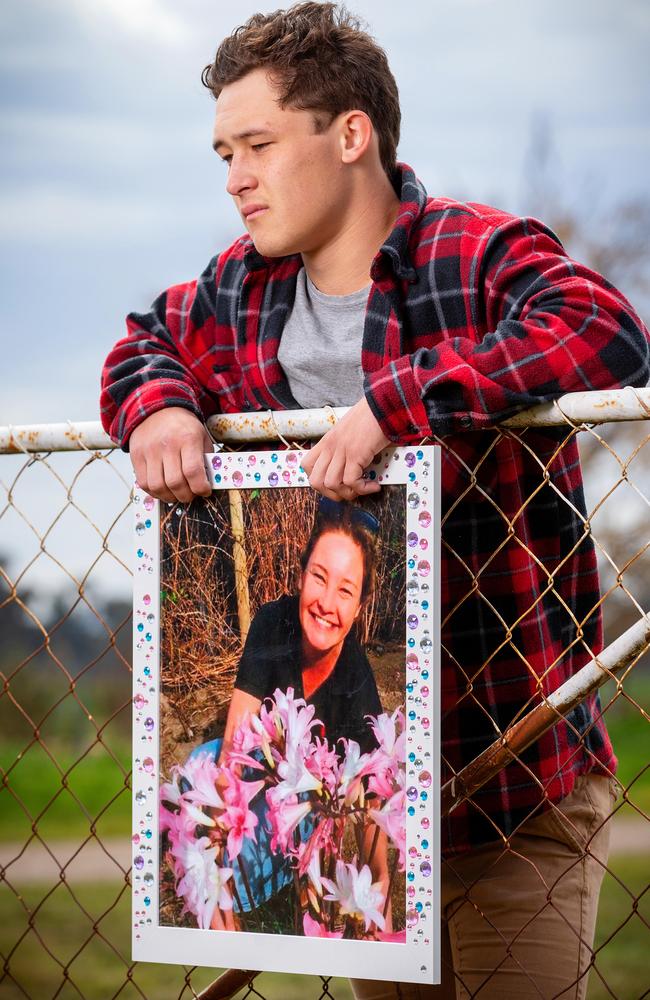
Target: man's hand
x,y
167,452
336,464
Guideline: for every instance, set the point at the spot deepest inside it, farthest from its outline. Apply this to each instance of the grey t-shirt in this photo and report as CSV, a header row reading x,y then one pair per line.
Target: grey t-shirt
x,y
320,347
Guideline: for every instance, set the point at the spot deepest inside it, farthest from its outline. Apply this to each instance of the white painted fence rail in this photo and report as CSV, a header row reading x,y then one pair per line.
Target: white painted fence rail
x,y
271,425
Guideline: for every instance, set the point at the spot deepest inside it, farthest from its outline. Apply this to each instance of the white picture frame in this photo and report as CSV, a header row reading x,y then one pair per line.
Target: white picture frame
x,y
416,958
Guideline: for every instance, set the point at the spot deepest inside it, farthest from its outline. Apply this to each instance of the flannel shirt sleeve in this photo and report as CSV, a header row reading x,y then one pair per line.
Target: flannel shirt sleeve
x,y
167,357
537,325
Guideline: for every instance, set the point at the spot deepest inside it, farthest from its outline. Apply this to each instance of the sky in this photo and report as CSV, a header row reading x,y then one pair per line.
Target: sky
x,y
110,191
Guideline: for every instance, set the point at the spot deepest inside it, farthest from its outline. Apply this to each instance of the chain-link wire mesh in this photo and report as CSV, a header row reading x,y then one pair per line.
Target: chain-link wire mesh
x,y
65,715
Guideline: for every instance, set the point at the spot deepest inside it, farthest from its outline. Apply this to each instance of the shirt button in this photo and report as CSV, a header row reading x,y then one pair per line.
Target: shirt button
x,y
465,421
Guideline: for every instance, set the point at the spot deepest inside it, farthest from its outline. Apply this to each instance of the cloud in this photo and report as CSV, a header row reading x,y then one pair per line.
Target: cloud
x,y
151,20
79,139
49,213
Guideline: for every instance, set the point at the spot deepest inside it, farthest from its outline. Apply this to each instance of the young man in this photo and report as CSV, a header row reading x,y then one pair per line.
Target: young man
x,y
426,317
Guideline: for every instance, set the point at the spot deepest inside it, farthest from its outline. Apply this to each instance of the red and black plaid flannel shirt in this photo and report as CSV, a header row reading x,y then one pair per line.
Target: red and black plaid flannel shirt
x,y
472,315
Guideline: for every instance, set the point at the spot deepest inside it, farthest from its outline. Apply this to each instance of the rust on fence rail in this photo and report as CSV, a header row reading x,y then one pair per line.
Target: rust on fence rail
x,y
614,659
605,406
228,984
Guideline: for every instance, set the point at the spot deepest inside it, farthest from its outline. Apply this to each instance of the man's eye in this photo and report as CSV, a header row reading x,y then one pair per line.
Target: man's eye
x,y
261,145
226,160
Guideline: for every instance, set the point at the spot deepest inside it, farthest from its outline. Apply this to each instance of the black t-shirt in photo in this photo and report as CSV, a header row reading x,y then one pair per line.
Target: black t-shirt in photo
x,y
271,659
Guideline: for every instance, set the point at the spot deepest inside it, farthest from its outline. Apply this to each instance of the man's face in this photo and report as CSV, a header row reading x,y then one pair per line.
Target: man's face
x,y
286,179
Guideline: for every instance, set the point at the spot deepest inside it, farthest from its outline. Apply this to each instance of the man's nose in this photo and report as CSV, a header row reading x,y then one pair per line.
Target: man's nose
x,y
240,177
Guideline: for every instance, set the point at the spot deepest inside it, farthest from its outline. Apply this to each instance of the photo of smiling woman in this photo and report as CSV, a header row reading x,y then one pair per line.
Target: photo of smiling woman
x,y
307,641
293,819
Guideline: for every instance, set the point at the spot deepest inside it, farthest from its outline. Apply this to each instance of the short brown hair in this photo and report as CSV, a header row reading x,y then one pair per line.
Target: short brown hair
x,y
321,60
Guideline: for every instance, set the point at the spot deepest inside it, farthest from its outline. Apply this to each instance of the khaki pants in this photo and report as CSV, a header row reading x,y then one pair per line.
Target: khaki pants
x,y
519,923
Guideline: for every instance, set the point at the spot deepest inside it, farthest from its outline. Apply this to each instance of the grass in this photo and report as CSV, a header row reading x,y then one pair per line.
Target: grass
x,y
92,782
42,934
65,800
621,965
630,732
98,966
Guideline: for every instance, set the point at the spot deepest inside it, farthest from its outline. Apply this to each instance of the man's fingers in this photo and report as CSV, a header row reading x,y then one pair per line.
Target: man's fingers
x,y
363,487
333,475
167,452
193,469
317,476
140,470
175,480
311,456
154,481
354,481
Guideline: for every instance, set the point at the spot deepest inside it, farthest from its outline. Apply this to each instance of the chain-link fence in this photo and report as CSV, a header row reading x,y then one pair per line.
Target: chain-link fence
x,y
65,710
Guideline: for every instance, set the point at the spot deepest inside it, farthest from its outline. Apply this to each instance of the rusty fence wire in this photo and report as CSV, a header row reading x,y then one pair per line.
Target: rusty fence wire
x,y
65,707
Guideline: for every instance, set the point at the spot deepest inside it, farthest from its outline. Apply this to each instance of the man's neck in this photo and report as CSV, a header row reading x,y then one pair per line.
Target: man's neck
x,y
342,265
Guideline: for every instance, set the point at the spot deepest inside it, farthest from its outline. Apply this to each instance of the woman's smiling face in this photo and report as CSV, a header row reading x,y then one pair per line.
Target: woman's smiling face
x,y
330,593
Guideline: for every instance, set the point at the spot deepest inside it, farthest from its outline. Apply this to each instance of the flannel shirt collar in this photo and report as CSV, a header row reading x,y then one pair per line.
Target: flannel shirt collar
x,y
395,250
413,200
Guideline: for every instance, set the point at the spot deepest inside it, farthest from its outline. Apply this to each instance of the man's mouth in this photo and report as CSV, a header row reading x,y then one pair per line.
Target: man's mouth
x,y
252,211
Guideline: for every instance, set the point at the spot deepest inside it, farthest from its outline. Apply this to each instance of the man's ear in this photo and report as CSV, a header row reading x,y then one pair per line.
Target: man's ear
x,y
356,134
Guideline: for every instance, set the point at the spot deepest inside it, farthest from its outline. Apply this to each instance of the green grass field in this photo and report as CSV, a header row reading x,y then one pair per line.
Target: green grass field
x,y
65,798
97,966
41,935
623,916
630,734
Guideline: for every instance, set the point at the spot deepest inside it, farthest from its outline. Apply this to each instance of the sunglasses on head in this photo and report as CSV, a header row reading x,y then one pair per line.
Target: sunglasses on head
x,y
334,510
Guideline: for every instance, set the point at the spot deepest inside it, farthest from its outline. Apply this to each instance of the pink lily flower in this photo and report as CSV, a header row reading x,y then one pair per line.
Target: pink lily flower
x,y
355,766
235,757
382,783
314,928
300,722
218,895
204,784
390,733
321,840
246,737
391,818
237,819
283,700
203,885
395,937
267,721
323,762
181,829
355,893
284,816
295,776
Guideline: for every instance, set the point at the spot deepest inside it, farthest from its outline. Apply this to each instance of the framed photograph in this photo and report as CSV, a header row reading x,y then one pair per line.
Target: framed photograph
x,y
286,722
